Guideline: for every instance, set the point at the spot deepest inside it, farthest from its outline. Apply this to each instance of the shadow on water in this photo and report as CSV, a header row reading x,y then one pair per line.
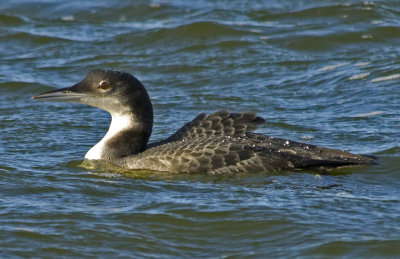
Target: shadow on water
x,y
107,170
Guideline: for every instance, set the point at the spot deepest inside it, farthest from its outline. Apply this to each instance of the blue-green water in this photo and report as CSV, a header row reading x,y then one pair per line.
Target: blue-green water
x,y
321,72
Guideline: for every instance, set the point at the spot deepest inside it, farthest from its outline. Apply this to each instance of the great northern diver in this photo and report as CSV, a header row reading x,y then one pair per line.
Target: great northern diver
x,y
220,143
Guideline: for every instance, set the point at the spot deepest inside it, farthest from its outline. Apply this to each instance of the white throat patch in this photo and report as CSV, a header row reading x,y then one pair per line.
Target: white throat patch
x,y
118,123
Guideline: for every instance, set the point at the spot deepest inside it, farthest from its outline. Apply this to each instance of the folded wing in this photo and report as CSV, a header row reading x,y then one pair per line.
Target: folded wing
x,y
224,143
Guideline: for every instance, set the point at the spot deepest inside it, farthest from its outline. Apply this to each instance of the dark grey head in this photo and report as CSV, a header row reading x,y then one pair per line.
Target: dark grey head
x,y
112,91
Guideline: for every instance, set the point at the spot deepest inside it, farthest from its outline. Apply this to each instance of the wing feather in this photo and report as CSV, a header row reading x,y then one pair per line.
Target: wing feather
x,y
221,123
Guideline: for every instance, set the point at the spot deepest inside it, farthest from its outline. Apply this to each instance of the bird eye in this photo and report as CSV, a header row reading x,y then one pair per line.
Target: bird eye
x,y
104,85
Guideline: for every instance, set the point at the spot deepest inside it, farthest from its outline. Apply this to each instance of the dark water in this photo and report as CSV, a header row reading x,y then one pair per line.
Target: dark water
x,y
321,72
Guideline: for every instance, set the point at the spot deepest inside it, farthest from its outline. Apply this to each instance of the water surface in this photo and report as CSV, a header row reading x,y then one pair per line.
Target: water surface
x,y
324,73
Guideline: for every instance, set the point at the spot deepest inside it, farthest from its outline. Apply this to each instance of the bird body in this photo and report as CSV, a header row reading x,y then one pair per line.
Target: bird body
x,y
220,143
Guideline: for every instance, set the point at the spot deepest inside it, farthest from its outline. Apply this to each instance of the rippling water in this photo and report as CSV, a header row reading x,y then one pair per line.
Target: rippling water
x,y
321,72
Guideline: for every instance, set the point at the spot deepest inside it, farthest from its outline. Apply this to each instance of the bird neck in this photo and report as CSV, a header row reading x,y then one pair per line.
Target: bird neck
x,y
127,135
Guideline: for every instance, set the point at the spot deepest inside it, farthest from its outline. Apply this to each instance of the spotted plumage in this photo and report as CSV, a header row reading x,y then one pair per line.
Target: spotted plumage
x,y
223,143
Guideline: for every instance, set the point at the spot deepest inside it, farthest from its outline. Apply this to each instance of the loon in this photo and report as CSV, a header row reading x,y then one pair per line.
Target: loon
x,y
219,143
